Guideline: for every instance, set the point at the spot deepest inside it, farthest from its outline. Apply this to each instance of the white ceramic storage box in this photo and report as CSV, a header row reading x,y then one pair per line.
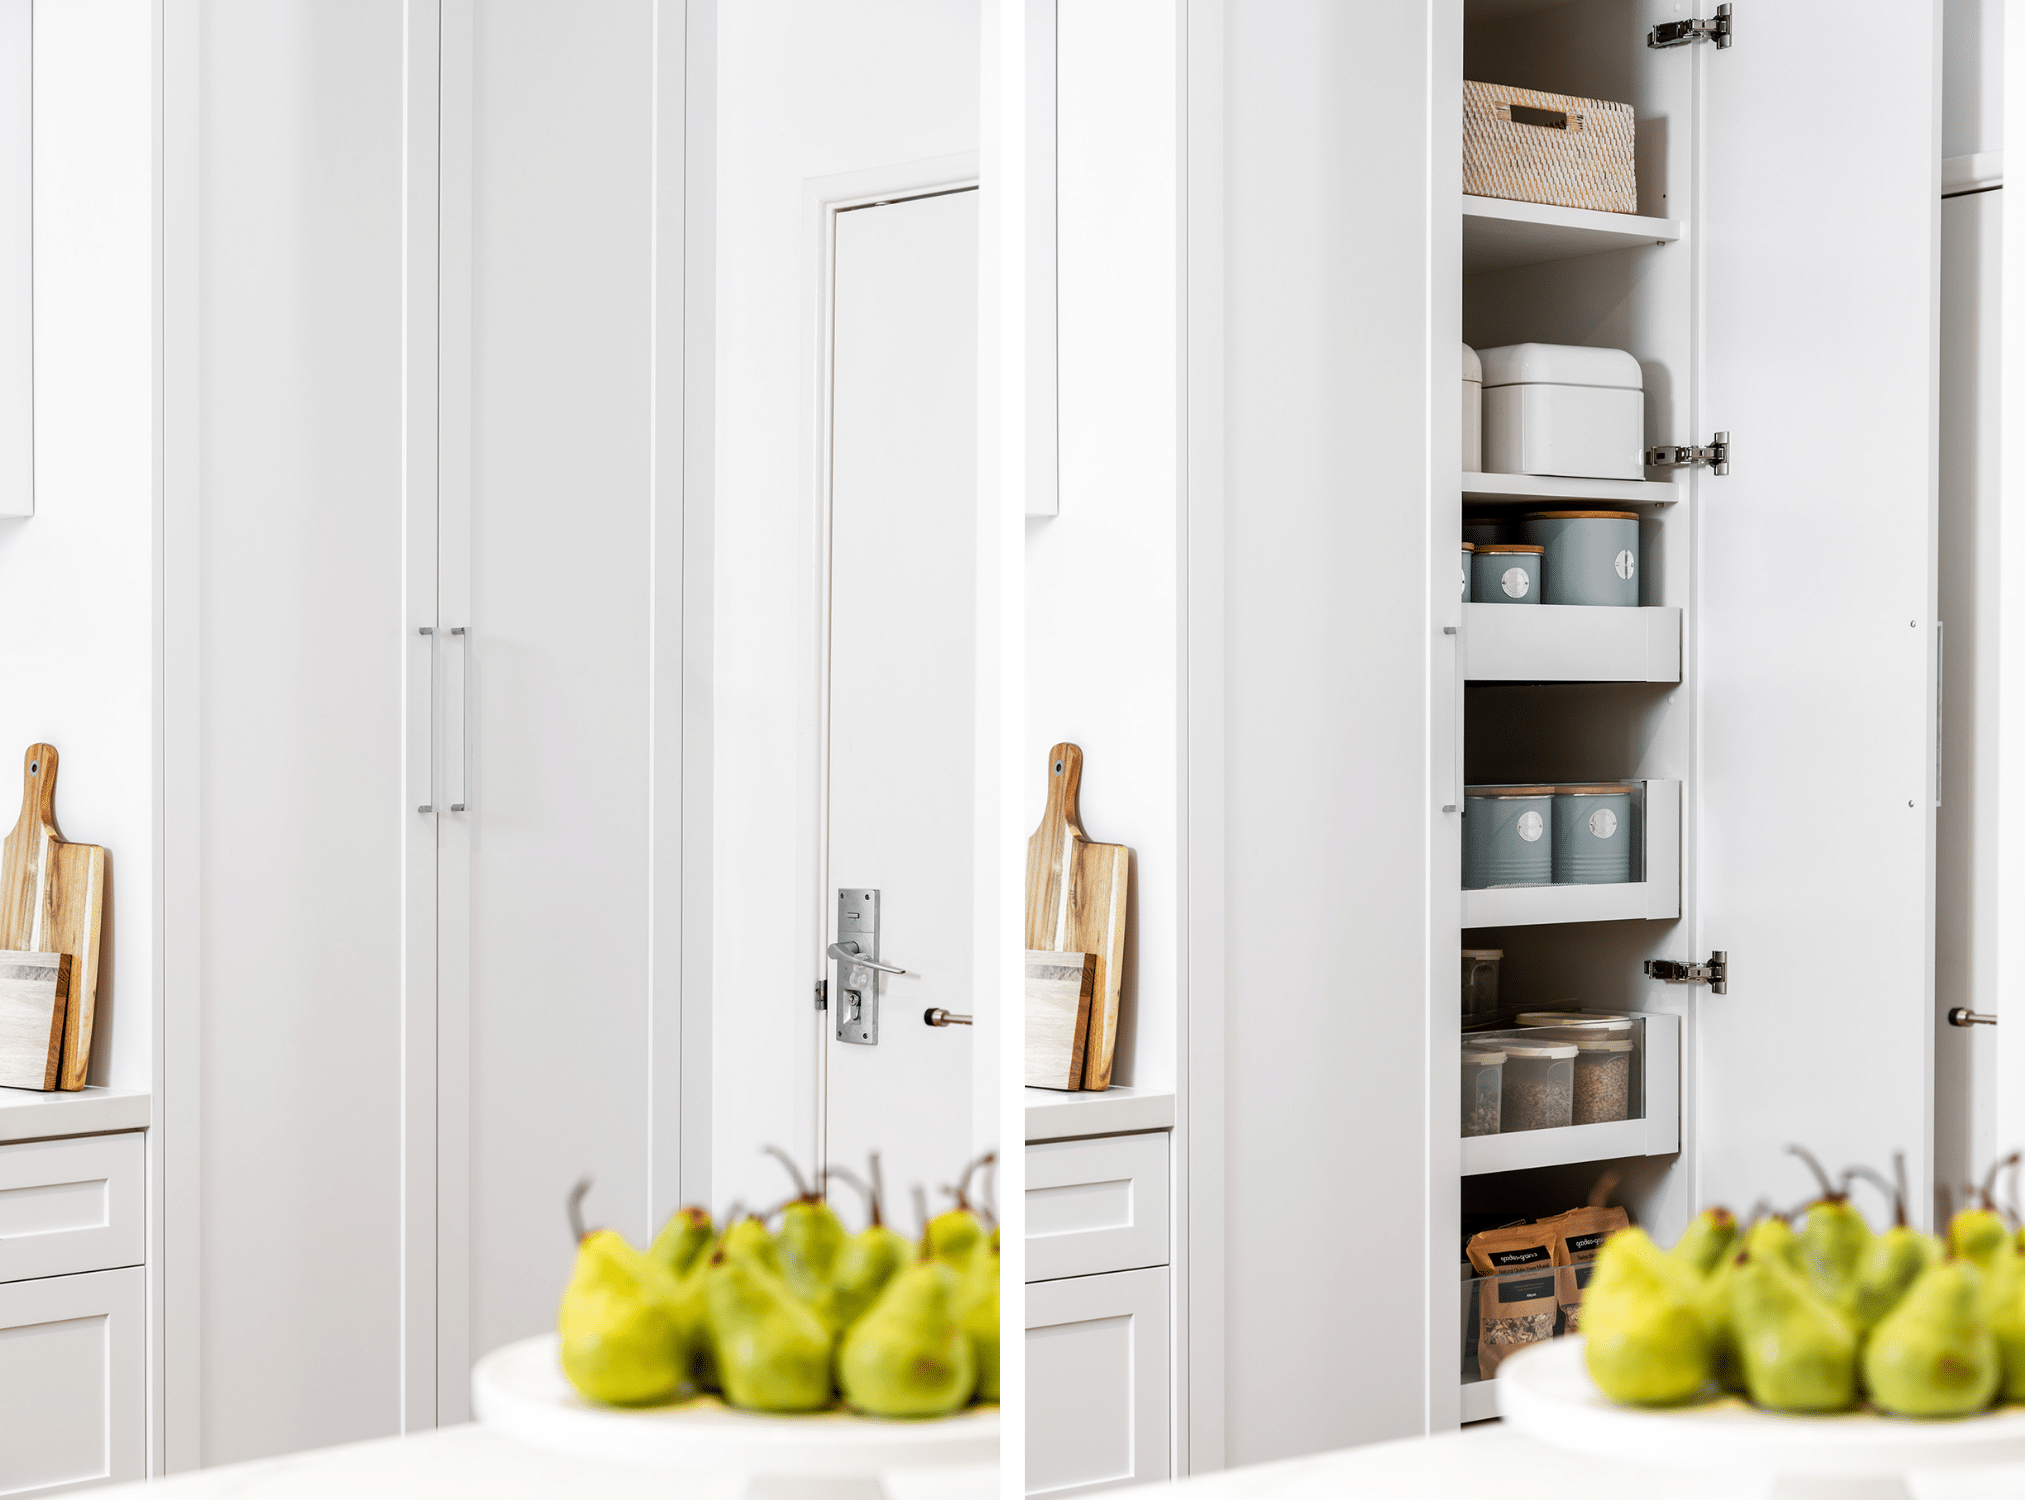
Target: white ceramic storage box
x,y
1563,410
1472,411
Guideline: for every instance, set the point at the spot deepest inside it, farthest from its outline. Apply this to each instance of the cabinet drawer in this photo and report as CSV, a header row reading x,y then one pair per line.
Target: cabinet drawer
x,y
1096,1205
1097,1383
72,1205
72,1381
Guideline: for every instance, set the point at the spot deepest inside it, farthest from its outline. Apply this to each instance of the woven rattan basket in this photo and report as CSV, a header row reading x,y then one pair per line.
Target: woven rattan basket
x,y
1548,148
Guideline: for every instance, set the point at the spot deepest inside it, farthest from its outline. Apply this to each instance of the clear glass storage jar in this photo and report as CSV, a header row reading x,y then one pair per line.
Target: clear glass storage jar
x,y
1538,1088
1480,980
1483,1073
1602,1081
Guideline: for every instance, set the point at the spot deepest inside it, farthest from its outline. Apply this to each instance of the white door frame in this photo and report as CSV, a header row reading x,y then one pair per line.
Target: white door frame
x,y
823,198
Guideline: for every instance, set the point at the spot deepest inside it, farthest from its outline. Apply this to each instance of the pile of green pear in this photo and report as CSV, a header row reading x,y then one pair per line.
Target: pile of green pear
x,y
785,1321
1818,1315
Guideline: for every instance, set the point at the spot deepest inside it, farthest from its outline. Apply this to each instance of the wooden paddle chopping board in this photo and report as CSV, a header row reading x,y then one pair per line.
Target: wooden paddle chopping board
x,y
52,900
1076,903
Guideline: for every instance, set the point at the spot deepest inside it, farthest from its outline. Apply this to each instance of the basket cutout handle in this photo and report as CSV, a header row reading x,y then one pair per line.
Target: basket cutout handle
x,y
1545,119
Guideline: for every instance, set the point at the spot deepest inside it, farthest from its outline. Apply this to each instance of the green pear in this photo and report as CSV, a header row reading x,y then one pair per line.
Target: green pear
x,y
1703,1242
954,1237
1933,1355
2004,1295
1977,1235
1798,1352
810,1236
1713,1302
1833,1237
748,1240
869,1259
908,1356
681,1244
623,1338
977,1312
1643,1331
1891,1263
1773,1236
772,1353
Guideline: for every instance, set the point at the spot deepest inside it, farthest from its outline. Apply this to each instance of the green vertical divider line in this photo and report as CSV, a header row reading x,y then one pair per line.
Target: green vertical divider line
x,y
1013,735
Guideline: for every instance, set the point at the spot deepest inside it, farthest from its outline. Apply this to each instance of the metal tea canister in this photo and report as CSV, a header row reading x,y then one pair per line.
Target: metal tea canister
x,y
1508,836
1591,556
1505,573
1467,549
1592,835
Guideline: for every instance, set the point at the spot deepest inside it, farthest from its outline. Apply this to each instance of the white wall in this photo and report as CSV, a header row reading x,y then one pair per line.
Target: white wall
x,y
804,90
1103,585
77,578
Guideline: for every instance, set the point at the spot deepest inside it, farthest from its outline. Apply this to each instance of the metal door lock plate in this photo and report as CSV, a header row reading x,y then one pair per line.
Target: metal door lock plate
x,y
857,987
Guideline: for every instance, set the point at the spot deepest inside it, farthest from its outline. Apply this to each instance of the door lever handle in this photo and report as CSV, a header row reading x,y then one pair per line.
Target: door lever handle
x,y
847,953
937,1016
1961,1015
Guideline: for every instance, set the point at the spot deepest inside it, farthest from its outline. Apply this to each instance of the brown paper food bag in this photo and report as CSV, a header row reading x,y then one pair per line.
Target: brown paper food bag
x,y
1582,1232
1519,1306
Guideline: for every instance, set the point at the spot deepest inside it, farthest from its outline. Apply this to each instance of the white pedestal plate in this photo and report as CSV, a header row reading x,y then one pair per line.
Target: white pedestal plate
x,y
1546,1393
520,1390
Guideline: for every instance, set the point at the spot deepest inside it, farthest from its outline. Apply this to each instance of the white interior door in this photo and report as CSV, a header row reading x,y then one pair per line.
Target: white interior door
x,y
901,684
1814,608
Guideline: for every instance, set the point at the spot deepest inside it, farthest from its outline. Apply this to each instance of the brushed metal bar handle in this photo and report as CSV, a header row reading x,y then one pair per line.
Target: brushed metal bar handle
x,y
937,1016
464,724
428,633
1961,1015
847,953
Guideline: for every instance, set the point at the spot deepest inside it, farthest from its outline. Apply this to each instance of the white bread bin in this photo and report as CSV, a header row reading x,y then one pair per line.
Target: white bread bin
x,y
1472,411
1563,409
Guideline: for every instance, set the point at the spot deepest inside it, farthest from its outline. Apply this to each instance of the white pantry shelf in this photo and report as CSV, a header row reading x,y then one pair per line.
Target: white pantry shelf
x,y
1570,643
1655,898
1499,233
1536,489
1657,1134
1479,1398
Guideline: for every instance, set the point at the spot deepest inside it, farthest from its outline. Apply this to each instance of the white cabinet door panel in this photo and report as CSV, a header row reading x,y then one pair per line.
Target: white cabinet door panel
x,y
72,1205
1815,602
1096,1205
71,1381
1097,1382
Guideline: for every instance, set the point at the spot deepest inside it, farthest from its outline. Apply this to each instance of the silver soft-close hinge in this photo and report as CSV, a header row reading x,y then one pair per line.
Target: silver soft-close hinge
x,y
1716,455
1715,973
1682,33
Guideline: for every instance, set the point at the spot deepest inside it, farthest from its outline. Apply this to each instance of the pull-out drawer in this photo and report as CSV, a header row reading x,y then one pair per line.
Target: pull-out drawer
x,y
72,1381
72,1205
1096,1205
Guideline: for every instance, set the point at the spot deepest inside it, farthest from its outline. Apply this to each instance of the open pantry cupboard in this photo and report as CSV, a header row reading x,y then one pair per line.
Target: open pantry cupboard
x,y
1781,300
1777,284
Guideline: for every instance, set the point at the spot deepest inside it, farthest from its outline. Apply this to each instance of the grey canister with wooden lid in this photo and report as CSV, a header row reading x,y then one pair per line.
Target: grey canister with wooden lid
x,y
1505,573
1467,550
1593,834
1590,556
1508,836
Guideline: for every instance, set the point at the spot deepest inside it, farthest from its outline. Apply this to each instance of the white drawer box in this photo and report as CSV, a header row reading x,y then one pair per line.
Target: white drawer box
x,y
72,1381
1097,1383
1096,1205
72,1205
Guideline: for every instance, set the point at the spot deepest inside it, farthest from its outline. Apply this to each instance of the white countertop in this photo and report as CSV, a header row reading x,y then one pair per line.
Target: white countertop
x,y
1053,1114
475,1462
1492,1460
29,1114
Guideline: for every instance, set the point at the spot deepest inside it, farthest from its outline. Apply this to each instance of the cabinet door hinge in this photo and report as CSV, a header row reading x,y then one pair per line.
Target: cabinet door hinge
x,y
1715,973
822,994
1716,455
1682,33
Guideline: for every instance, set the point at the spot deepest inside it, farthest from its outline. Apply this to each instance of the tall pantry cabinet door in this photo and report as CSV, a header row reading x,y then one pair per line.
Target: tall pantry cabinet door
x,y
1815,597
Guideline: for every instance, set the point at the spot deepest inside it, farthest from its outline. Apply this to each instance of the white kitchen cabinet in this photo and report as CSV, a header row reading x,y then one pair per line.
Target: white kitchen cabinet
x,y
1097,1382
1096,1205
1338,703
72,1204
72,1381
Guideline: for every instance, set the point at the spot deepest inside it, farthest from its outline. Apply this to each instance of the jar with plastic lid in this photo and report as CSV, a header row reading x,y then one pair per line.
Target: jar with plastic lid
x,y
1538,1088
1602,1089
1480,980
1483,1073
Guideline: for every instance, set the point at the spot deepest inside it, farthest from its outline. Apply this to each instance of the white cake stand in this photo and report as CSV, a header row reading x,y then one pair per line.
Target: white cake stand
x,y
1545,1392
520,1390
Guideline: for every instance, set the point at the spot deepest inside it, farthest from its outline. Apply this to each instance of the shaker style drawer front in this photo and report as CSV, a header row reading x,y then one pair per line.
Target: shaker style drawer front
x,y
72,1205
1097,1383
72,1381
1096,1205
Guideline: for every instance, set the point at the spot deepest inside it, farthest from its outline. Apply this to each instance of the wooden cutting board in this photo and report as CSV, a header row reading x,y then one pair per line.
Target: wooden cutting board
x,y
1076,903
52,900
1059,989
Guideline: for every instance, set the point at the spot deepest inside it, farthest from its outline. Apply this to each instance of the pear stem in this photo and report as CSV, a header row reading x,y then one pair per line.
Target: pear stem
x,y
878,1195
1896,1195
852,1178
1990,1177
921,1212
1828,1193
576,1209
801,1184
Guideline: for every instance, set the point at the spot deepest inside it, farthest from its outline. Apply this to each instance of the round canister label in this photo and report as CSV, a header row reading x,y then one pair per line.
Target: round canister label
x,y
1465,570
1515,584
1531,826
1603,822
1626,564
